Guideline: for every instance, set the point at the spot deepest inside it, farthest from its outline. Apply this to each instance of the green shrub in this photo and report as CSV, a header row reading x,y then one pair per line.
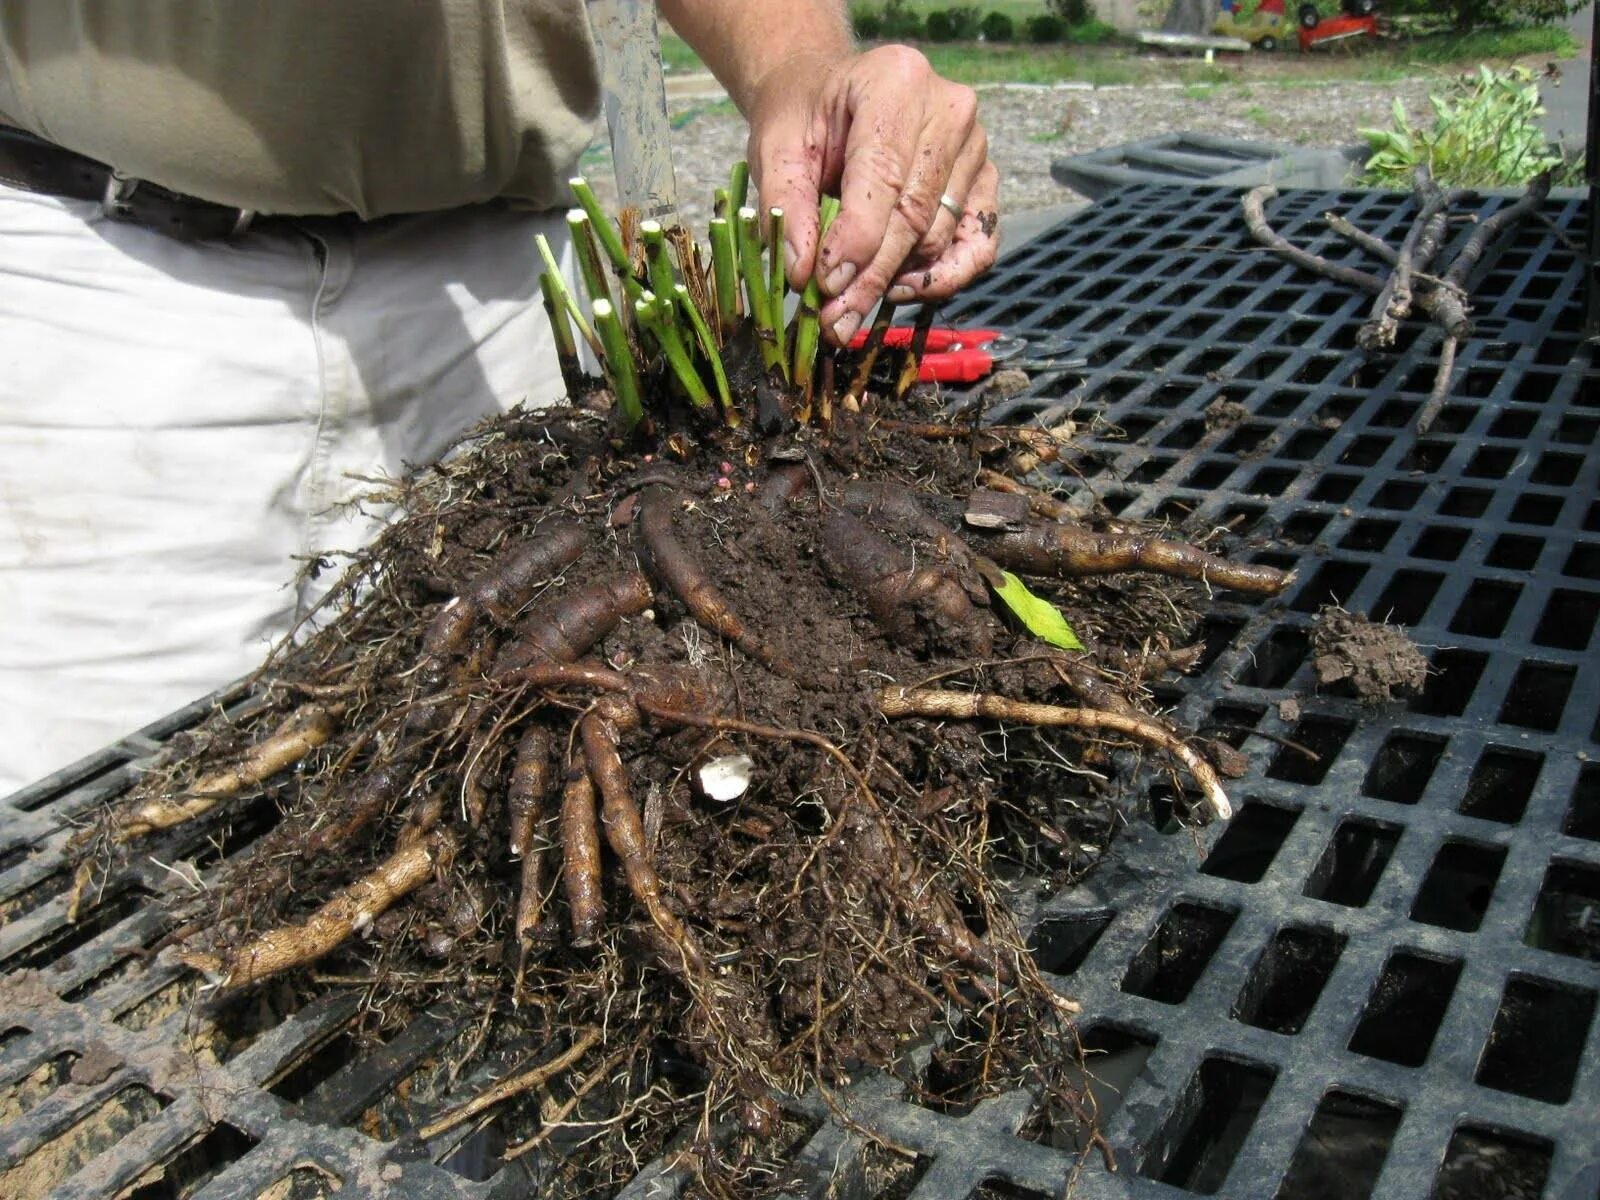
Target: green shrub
x,y
1045,28
997,27
867,22
901,21
1091,33
965,20
1478,14
1072,12
1485,134
939,27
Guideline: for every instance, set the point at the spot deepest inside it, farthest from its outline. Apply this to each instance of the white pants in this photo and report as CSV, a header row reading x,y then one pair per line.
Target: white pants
x,y
182,426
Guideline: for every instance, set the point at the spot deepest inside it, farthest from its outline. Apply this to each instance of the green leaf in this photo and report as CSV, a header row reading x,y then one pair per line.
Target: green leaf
x,y
1038,616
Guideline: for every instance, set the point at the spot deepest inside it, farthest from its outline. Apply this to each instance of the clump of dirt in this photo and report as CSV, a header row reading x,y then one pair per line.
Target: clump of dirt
x,y
488,775
1224,414
1379,663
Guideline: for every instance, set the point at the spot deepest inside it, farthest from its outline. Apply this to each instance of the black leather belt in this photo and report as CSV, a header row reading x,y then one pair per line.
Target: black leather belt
x,y
35,165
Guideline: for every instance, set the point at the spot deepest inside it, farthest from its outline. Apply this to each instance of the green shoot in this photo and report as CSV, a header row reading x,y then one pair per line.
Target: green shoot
x,y
725,270
807,328
594,276
757,291
662,279
738,186
708,346
655,314
777,284
723,204
869,353
610,239
566,348
559,286
619,365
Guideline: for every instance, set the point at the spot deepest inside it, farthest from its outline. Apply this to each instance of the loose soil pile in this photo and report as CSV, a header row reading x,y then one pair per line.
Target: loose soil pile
x,y
1377,662
509,774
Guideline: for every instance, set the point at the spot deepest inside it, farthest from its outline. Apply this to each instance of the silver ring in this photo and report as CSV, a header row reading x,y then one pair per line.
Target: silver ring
x,y
952,206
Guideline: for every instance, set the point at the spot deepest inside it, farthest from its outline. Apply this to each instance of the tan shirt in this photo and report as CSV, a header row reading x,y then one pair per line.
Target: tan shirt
x,y
311,106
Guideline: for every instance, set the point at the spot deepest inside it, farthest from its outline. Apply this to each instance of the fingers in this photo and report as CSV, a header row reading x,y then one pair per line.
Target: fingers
x,y
912,136
789,161
969,254
974,155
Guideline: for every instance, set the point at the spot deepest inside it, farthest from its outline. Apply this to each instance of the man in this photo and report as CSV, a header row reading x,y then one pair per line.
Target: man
x,y
254,255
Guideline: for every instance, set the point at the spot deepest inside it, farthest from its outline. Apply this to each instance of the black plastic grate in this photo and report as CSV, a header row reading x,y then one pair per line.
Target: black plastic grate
x,y
1382,977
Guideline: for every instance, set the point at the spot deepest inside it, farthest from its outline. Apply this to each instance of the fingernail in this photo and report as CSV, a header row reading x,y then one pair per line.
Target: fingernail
x,y
839,278
901,294
790,257
845,327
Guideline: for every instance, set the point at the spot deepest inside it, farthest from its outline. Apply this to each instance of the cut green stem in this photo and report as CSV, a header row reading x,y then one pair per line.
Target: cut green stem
x,y
757,291
655,315
725,273
777,284
912,366
738,186
588,255
708,346
566,348
558,284
807,326
662,278
722,206
610,238
621,371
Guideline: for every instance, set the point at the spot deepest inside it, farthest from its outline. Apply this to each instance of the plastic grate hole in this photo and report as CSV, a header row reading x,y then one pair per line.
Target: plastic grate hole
x,y
1136,426
1406,1008
1369,535
1274,662
1184,436
1334,488
1288,977
1209,475
1583,562
1172,961
1501,783
1457,889
1303,446
1113,1057
1303,528
1250,842
316,1067
1324,737
1428,456
1514,424
1453,676
1405,600
1151,470
1465,502
1060,944
1583,815
1491,462
1404,764
188,1172
1443,543
1350,866
1557,470
1342,1152
1218,633
1272,481
308,1182
1569,620
1196,1148
1489,1162
1536,1044
1333,583
1485,609
1514,552
1566,917
1232,723
1396,414
1535,508
1578,431
1364,451
62,941
1537,696
1398,496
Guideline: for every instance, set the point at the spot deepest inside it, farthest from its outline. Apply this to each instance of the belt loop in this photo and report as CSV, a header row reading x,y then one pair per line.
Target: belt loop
x,y
119,190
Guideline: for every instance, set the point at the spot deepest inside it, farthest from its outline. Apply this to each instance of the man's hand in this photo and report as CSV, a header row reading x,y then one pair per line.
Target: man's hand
x,y
881,130
895,140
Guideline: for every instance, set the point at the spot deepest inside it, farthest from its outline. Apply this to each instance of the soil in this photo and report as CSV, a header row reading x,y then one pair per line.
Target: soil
x,y
1378,663
857,895
1224,414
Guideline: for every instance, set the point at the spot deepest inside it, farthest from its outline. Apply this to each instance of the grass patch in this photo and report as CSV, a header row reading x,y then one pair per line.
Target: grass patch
x,y
1486,45
970,63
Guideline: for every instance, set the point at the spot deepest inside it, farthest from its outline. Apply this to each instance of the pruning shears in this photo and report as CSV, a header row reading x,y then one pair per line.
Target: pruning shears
x,y
965,355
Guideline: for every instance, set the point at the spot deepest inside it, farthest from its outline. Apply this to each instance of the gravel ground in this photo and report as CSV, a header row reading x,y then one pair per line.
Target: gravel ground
x,y
1029,126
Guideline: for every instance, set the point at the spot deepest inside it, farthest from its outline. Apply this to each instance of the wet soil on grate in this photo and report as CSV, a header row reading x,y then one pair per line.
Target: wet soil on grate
x,y
857,895
1376,662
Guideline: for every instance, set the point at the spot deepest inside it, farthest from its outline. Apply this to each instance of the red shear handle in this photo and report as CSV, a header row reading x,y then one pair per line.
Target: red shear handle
x,y
898,337
956,366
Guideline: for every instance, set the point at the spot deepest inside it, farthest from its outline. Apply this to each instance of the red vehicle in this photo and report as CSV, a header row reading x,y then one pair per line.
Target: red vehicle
x,y
1359,19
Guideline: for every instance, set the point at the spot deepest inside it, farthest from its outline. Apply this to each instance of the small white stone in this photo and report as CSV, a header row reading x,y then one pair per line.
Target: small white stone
x,y
726,777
